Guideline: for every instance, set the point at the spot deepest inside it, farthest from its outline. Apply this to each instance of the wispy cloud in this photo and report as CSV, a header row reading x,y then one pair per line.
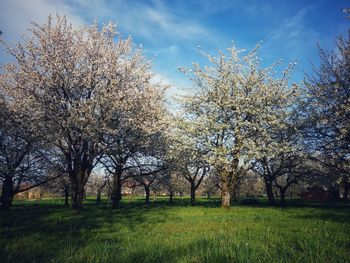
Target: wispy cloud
x,y
292,41
153,21
291,28
16,15
248,7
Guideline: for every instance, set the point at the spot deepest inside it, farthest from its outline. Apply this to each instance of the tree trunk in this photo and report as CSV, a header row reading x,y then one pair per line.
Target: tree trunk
x,y
208,195
147,191
193,193
171,196
334,192
269,192
133,188
228,182
66,195
225,195
7,193
154,195
283,196
77,197
346,190
98,196
78,176
116,195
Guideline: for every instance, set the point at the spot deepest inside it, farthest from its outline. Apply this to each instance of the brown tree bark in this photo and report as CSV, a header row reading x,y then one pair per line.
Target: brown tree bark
x,y
225,194
228,180
77,195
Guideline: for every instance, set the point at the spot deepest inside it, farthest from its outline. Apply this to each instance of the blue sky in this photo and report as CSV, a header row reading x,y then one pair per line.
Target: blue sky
x,y
171,31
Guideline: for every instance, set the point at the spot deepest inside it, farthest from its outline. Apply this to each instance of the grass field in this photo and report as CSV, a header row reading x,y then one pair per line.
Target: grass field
x,y
45,231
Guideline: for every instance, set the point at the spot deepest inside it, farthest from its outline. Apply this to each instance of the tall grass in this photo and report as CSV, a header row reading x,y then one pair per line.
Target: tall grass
x,y
47,232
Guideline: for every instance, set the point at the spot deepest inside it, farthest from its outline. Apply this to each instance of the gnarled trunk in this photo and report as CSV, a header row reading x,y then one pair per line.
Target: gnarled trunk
x,y
225,195
228,180
116,195
79,167
7,193
77,195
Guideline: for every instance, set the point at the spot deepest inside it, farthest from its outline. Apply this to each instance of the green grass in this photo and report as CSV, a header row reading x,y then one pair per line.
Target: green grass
x,y
44,231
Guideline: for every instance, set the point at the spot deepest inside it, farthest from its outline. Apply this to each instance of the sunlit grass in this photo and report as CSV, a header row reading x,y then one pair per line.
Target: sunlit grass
x,y
45,231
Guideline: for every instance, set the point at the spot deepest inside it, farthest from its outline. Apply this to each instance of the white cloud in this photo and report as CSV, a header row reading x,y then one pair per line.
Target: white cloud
x,y
172,25
16,15
153,21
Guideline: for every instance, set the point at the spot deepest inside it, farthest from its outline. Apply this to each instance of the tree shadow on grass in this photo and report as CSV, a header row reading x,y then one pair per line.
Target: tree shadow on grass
x,y
339,215
186,202
40,232
296,203
330,211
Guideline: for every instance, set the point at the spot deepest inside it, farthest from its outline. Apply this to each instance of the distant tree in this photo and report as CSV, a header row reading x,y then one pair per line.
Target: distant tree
x,y
174,183
115,161
97,182
211,184
76,82
58,186
284,171
249,185
327,111
236,99
185,157
279,155
128,143
148,171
